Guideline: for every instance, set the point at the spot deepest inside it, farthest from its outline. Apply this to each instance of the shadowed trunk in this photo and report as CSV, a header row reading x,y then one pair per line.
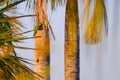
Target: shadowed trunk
x,y
72,41
42,56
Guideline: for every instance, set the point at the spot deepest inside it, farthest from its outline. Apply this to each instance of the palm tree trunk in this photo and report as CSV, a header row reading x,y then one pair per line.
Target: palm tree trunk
x,y
41,56
72,41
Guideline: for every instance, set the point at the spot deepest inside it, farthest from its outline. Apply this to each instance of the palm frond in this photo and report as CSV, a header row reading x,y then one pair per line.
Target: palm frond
x,y
86,12
56,3
10,66
11,6
93,33
13,67
3,2
30,4
26,48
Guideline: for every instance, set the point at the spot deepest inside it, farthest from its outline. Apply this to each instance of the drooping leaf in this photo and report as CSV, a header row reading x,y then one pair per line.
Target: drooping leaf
x,y
93,33
10,6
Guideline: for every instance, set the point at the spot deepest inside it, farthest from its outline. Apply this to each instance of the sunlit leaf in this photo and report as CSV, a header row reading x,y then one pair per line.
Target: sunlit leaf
x,y
93,33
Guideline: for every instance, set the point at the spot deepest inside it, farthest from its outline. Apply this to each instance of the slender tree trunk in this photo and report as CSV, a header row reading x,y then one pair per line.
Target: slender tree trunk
x,y
72,41
41,56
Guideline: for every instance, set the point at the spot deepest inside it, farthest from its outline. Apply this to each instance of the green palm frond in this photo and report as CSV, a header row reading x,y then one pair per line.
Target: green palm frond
x,y
8,28
11,6
55,3
12,66
3,2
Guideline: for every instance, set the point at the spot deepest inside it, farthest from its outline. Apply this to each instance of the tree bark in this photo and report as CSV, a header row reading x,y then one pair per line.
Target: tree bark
x,y
72,41
42,44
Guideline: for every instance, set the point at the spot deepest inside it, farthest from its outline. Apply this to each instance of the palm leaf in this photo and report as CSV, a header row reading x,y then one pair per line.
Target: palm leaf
x,y
55,3
93,33
3,2
10,66
10,6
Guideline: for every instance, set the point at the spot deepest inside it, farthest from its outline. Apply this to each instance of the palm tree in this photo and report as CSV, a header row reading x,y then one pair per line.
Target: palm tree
x,y
92,34
12,66
71,41
42,44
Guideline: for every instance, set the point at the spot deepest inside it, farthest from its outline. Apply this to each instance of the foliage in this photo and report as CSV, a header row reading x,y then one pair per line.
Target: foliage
x,y
12,66
94,22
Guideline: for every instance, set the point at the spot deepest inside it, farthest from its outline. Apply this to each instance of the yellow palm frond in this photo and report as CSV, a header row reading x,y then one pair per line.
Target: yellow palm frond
x,y
93,33
86,12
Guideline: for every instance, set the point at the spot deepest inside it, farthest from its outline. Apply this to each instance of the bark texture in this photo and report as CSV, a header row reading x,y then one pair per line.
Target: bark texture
x,y
42,44
72,41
